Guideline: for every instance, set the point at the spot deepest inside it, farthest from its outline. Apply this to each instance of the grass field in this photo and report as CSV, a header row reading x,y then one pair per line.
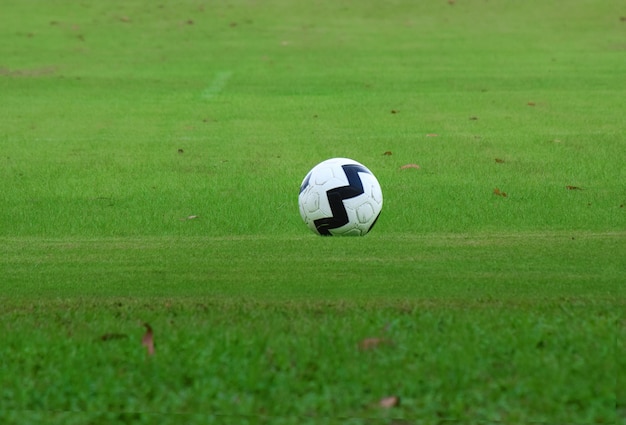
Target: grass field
x,y
151,156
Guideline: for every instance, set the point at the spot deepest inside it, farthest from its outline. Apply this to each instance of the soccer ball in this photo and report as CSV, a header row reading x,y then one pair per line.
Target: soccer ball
x,y
340,197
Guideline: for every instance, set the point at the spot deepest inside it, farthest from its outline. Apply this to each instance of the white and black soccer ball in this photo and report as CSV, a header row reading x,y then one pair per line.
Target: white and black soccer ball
x,y
340,197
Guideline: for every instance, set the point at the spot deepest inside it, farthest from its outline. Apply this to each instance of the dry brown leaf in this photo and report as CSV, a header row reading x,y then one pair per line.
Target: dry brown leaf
x,y
500,161
372,343
498,192
387,153
148,340
394,111
531,104
406,166
389,402
573,188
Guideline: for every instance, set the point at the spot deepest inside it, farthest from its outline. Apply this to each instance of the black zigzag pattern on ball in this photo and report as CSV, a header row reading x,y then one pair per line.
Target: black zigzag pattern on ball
x,y
337,195
305,183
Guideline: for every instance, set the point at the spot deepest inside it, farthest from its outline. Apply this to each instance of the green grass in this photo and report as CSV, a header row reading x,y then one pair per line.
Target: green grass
x,y
264,362
505,267
120,120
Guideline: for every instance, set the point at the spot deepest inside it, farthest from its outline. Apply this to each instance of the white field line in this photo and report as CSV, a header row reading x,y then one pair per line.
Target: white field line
x,y
217,84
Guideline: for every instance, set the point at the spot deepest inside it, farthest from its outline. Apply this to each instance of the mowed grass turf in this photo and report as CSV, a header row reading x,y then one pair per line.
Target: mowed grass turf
x,y
151,156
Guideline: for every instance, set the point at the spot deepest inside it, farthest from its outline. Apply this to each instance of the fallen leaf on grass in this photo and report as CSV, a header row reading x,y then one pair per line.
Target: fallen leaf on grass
x,y
498,192
394,111
389,402
387,153
407,166
148,340
531,104
500,161
372,343
573,188
432,135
